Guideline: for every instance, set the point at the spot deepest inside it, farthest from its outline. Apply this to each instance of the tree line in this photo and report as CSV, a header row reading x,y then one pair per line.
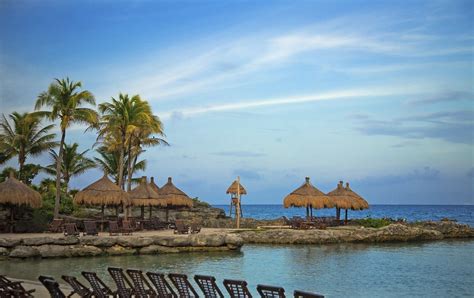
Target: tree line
x,y
125,126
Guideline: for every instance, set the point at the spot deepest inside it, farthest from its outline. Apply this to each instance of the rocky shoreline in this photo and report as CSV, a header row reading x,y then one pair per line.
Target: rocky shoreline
x,y
396,232
88,246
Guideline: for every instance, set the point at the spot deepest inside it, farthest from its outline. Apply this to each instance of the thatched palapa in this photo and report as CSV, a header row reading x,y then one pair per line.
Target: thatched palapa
x,y
174,196
361,202
307,196
145,195
153,185
233,188
103,192
14,193
341,198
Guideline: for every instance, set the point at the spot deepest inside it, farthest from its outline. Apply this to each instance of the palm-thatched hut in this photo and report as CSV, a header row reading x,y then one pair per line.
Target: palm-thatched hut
x,y
144,195
153,185
345,198
174,196
307,196
102,192
235,190
14,193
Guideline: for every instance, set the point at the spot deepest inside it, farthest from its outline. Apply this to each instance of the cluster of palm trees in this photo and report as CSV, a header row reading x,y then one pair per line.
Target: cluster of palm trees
x,y
125,126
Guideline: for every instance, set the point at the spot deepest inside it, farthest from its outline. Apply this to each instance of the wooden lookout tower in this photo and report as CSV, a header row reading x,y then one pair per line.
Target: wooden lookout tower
x,y
236,190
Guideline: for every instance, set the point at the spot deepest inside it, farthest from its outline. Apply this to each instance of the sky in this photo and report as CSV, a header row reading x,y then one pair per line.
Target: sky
x,y
377,93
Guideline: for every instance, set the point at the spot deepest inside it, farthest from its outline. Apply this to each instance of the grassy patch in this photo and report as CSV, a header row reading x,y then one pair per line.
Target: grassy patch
x,y
372,222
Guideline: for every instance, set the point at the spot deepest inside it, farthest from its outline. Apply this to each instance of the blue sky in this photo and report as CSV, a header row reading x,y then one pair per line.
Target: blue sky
x,y
378,93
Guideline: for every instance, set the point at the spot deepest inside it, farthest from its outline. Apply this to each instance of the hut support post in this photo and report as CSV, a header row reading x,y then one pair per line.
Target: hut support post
x,y
237,207
150,211
167,215
338,213
345,221
142,212
307,213
12,217
102,221
117,211
311,209
230,209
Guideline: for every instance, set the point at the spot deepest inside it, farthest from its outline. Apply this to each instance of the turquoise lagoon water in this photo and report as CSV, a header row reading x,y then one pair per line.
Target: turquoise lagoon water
x,y
428,269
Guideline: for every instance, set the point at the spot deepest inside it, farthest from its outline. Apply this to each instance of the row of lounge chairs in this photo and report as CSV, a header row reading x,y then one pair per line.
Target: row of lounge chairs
x,y
9,288
134,283
125,227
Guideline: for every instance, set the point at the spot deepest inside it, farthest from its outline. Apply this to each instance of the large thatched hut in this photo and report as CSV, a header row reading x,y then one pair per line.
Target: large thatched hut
x,y
144,195
307,196
14,193
175,198
345,198
102,192
234,187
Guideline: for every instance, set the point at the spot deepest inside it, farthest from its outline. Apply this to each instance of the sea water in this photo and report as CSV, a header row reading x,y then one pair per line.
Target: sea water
x,y
461,213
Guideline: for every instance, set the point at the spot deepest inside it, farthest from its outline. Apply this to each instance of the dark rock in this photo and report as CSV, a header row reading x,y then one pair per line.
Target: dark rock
x,y
6,242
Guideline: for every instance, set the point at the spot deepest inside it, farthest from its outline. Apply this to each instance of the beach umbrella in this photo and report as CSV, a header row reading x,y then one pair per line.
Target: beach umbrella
x,y
144,195
307,196
102,192
174,196
14,193
234,190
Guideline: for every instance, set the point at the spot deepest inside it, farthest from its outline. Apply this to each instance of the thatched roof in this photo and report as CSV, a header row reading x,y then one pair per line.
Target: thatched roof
x,y
144,195
174,196
14,192
233,188
361,202
153,185
102,192
345,198
307,196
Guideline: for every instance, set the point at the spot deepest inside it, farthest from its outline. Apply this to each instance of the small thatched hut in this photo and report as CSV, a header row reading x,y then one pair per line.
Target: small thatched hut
x,y
102,193
345,198
144,195
174,196
307,196
14,193
153,185
235,189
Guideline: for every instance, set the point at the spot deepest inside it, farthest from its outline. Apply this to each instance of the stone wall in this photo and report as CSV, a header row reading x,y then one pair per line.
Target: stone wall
x,y
52,247
391,233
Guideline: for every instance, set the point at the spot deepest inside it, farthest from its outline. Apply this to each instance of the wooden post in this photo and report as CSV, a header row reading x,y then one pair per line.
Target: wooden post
x,y
150,211
237,207
102,223
345,222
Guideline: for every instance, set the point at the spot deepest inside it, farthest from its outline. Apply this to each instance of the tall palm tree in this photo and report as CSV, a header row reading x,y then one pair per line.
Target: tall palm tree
x,y
120,119
74,163
66,101
108,162
24,137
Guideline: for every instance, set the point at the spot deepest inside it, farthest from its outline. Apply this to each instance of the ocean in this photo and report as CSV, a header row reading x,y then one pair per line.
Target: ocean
x,y
461,213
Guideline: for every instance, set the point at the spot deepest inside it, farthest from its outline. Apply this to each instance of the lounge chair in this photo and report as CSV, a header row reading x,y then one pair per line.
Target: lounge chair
x,y
195,228
208,286
124,286
301,294
90,228
181,228
10,288
56,226
270,291
140,284
113,228
99,288
127,228
182,284
237,288
70,229
163,288
52,286
77,287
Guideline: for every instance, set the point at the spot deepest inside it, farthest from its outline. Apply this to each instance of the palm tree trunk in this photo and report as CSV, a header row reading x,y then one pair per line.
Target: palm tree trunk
x,y
121,158
21,163
57,200
129,167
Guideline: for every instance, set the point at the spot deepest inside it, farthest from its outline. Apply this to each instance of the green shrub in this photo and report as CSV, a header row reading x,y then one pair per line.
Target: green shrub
x,y
373,222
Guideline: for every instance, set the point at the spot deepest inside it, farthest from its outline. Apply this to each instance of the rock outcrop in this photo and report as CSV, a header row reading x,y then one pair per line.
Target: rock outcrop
x,y
54,247
391,233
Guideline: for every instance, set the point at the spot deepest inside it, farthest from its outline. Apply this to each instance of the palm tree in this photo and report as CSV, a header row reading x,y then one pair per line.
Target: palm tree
x,y
120,119
108,162
23,138
74,163
66,102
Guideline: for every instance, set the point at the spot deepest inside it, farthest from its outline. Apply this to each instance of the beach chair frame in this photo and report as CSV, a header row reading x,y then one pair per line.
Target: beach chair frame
x,y
77,287
140,283
302,294
99,288
162,287
208,286
182,285
237,288
124,286
270,291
